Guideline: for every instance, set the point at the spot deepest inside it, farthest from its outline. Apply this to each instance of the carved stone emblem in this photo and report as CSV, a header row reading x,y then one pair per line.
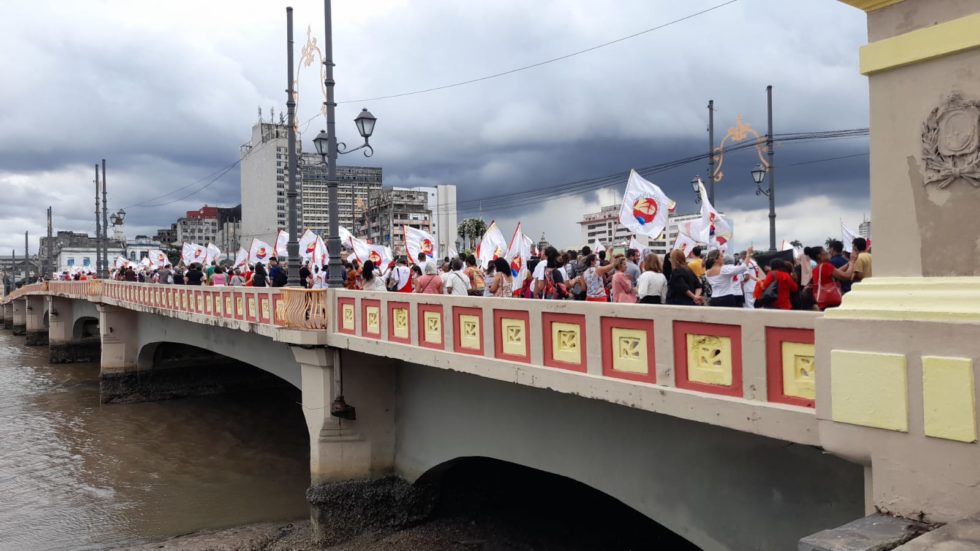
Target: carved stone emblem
x,y
951,143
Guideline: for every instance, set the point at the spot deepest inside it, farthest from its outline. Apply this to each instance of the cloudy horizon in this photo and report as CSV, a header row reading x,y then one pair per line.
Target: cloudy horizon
x,y
168,93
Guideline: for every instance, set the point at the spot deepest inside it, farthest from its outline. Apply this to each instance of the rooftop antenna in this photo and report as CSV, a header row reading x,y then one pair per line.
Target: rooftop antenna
x,y
272,114
260,114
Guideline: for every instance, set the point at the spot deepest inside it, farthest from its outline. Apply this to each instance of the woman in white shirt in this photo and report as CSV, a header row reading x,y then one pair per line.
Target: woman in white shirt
x,y
724,278
372,279
651,286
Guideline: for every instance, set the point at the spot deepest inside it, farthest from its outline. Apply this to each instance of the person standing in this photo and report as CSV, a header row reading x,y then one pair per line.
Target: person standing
x,y
259,277
725,279
194,275
430,283
786,286
860,260
399,278
503,282
836,250
218,277
455,281
633,265
696,265
651,286
623,289
371,278
684,288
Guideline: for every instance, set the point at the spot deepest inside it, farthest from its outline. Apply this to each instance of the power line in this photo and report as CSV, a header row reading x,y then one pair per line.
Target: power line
x,y
545,62
865,154
150,203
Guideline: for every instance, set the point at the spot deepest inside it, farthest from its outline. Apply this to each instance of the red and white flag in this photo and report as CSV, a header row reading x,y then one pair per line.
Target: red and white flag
x,y
191,253
214,253
320,256
157,258
307,245
597,246
241,259
420,241
711,227
492,246
645,207
518,253
260,251
685,243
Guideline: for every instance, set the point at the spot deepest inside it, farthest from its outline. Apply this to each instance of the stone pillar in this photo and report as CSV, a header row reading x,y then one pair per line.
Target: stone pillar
x,y
19,326
62,345
37,333
119,329
351,462
897,362
8,315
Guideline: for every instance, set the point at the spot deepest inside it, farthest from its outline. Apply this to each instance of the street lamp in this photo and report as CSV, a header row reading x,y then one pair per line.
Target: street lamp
x,y
758,176
328,148
695,184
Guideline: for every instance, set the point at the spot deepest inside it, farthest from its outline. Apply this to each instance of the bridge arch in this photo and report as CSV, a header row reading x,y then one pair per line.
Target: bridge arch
x,y
85,327
692,478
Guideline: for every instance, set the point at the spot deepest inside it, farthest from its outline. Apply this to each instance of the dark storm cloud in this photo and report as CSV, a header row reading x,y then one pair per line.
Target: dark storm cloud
x,y
168,92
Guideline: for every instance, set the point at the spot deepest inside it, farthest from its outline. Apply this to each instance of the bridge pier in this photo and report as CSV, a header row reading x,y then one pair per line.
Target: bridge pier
x,y
351,461
63,345
120,352
37,333
19,326
8,316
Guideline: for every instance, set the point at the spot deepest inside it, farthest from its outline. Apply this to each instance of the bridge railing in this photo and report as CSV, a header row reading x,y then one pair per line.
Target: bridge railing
x,y
247,304
32,289
76,289
761,355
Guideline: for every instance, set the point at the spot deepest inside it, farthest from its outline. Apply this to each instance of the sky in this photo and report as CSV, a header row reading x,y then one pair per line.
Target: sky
x,y
167,92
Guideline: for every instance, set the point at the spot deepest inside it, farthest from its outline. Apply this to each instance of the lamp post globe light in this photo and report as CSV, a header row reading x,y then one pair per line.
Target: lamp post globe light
x,y
697,189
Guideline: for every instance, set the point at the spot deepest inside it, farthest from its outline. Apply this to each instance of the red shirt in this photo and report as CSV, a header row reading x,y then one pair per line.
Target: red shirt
x,y
787,286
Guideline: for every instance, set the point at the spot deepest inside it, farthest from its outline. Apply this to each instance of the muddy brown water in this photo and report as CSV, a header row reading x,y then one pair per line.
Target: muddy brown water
x,y
75,474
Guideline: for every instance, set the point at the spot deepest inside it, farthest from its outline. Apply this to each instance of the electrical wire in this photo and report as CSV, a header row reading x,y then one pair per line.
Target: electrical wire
x,y
545,62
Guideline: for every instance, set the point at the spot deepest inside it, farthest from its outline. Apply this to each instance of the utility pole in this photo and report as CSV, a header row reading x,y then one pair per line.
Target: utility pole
x,y
104,269
772,173
711,152
292,246
48,266
98,221
27,257
336,278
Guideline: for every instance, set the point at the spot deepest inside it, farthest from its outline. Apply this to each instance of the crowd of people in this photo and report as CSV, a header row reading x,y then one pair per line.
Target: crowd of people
x,y
815,279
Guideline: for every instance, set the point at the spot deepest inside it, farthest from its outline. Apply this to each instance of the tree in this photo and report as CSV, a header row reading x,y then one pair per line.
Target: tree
x,y
470,229
796,243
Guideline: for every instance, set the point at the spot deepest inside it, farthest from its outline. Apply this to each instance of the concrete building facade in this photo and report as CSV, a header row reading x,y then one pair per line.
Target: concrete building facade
x,y
604,226
355,184
388,210
442,206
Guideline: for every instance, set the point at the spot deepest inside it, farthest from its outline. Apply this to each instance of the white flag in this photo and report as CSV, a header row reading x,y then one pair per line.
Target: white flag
x,y
711,224
420,241
345,237
645,207
379,255
320,256
191,253
282,238
518,253
635,244
259,251
361,248
241,259
847,235
307,245
453,253
121,262
492,246
214,253
157,258
685,243
597,246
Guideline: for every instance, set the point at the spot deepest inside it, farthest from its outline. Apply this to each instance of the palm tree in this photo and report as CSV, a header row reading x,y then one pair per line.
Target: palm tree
x,y
796,243
470,229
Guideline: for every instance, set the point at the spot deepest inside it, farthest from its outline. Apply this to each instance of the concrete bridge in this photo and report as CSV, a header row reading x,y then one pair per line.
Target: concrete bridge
x,y
735,429
708,421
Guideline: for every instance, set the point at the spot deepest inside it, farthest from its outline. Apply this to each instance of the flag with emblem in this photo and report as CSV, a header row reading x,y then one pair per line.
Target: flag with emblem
x,y
645,207
492,246
711,227
191,253
307,245
241,259
419,241
518,253
259,251
214,253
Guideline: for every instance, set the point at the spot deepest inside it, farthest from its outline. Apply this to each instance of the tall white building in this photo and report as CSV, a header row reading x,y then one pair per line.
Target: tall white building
x,y
264,179
864,230
442,205
604,226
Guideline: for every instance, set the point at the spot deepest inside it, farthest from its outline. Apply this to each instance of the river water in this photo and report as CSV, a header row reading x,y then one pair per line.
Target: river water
x,y
75,474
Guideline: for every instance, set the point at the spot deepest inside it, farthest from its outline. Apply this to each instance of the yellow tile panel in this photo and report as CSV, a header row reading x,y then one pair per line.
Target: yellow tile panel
x,y
433,327
469,332
869,389
373,319
400,323
629,350
944,39
709,359
949,399
799,370
514,340
566,342
347,317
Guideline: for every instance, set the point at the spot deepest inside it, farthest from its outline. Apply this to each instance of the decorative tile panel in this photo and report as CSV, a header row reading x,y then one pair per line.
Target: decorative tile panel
x,y
468,330
511,329
949,399
869,389
370,318
564,341
799,370
708,357
628,349
433,327
346,316
399,327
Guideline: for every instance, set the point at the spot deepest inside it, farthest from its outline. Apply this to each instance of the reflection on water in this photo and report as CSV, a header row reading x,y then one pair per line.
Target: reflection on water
x,y
77,474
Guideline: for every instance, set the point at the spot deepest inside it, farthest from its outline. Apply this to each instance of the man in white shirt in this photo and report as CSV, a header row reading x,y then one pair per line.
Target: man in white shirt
x,y
455,282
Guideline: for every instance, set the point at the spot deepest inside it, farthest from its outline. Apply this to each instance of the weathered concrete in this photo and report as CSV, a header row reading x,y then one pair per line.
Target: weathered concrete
x,y
872,533
36,320
8,316
19,325
342,510
718,488
86,350
962,535
216,377
37,338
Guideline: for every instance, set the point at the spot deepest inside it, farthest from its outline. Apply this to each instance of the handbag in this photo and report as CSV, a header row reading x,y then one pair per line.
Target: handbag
x,y
828,295
769,295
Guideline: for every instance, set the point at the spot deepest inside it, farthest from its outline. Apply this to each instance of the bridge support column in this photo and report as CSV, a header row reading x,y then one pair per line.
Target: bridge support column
x,y
37,333
19,326
63,347
8,316
897,363
120,349
351,461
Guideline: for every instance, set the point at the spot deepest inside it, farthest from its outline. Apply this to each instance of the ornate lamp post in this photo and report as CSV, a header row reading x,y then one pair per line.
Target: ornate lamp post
x,y
697,189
